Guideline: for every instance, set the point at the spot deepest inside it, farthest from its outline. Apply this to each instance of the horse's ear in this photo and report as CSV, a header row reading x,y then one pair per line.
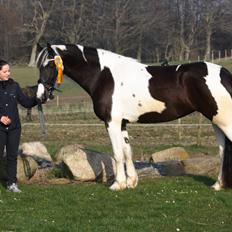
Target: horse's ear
x,y
39,48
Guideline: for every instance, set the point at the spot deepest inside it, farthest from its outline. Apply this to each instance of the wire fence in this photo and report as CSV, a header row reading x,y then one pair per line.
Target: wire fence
x,y
78,112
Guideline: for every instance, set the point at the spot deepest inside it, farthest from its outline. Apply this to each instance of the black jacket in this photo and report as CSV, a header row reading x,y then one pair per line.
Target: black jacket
x,y
10,95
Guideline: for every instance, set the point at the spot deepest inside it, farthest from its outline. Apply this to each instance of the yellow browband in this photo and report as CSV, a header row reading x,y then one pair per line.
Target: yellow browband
x,y
59,66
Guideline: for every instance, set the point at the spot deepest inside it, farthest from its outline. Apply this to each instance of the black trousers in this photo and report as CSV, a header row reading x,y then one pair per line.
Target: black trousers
x,y
10,140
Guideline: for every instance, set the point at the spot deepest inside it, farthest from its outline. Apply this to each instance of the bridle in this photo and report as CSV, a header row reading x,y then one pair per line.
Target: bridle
x,y
59,79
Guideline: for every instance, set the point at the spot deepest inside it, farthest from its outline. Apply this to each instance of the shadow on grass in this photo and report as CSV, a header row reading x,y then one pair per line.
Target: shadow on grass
x,y
206,180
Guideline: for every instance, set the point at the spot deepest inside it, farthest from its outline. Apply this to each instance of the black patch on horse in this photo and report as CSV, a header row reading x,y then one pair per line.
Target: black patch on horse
x,y
183,89
102,95
226,80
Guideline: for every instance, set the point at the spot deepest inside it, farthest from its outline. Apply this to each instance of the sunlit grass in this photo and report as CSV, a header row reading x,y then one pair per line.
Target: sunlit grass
x,y
165,204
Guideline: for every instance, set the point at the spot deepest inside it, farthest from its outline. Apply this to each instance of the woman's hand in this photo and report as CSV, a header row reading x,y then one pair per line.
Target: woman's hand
x,y
5,120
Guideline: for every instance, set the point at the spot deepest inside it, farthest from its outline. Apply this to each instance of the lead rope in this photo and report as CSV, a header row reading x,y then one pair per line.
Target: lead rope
x,y
41,116
42,120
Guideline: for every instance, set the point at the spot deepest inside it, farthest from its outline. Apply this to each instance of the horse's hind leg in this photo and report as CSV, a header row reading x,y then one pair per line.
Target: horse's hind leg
x,y
220,137
132,177
225,175
114,130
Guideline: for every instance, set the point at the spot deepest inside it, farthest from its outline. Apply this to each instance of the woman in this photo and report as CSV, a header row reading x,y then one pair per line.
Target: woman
x,y
10,127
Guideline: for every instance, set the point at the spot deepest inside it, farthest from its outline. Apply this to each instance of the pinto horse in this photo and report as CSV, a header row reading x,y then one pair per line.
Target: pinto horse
x,y
124,90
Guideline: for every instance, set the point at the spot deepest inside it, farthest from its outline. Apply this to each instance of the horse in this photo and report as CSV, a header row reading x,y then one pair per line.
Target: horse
x,y
124,90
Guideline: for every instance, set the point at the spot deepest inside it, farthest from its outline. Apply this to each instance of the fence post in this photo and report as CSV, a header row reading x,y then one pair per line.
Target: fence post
x,y
212,56
199,130
225,54
219,55
179,129
57,101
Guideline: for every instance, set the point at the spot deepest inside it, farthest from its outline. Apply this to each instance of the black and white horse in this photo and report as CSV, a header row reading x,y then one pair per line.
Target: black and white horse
x,y
124,90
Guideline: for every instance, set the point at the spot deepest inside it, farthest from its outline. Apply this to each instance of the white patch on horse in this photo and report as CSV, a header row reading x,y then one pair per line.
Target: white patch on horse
x,y
133,98
220,95
82,51
61,47
40,91
178,66
110,59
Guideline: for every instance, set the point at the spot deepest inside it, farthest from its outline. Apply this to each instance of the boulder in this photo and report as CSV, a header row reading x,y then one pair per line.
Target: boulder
x,y
174,153
66,150
26,168
204,165
38,152
171,168
87,165
199,164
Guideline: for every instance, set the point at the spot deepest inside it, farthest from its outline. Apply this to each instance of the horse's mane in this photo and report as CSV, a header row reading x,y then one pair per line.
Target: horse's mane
x,y
42,56
108,55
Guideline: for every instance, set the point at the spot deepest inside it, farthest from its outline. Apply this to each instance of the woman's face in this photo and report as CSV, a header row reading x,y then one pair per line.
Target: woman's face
x,y
5,72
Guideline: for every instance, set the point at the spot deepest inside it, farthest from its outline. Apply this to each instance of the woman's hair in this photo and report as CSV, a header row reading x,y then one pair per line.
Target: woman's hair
x,y
2,63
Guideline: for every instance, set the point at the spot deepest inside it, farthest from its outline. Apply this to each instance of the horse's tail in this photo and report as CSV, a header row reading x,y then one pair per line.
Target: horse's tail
x,y
227,164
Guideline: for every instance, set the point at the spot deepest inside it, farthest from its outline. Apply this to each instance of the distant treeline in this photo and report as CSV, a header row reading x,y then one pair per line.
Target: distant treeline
x,y
149,30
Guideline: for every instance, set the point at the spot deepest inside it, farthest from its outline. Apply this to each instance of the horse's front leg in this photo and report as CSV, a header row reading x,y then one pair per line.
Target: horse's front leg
x,y
114,130
132,177
220,137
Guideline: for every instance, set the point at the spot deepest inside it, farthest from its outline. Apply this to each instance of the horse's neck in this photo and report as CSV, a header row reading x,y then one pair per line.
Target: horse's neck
x,y
30,91
85,76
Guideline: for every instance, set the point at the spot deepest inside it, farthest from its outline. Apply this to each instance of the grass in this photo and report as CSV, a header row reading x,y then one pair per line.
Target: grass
x,y
166,204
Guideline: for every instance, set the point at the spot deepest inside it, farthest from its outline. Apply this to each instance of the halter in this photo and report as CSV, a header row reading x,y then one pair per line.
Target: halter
x,y
59,79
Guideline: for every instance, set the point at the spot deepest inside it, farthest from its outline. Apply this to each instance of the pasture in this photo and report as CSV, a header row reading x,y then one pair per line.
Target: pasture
x,y
165,204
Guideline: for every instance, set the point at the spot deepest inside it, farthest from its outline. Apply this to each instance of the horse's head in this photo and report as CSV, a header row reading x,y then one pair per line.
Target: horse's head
x,y
50,68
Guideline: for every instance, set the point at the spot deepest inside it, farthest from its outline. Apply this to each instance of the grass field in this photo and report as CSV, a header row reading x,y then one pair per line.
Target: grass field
x,y
164,204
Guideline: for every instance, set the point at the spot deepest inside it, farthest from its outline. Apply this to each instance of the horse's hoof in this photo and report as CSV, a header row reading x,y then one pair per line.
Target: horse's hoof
x,y
117,186
132,182
217,186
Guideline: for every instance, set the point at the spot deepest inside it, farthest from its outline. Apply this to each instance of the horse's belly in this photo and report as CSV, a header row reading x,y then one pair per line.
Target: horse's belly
x,y
132,110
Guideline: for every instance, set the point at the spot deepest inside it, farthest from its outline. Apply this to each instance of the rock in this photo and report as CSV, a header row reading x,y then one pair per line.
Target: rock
x,y
67,149
26,168
38,152
204,165
87,165
200,164
171,168
174,153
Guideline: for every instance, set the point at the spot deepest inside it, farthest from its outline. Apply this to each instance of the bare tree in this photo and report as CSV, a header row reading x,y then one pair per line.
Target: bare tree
x,y
213,13
8,30
36,27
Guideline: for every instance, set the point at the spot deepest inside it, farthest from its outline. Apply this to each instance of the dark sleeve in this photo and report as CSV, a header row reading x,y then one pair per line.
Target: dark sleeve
x,y
24,100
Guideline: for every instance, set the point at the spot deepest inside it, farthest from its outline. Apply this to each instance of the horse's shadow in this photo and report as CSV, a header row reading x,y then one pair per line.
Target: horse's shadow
x,y
206,180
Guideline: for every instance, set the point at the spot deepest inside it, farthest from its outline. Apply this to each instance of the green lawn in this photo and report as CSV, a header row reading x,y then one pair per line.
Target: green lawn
x,y
165,204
